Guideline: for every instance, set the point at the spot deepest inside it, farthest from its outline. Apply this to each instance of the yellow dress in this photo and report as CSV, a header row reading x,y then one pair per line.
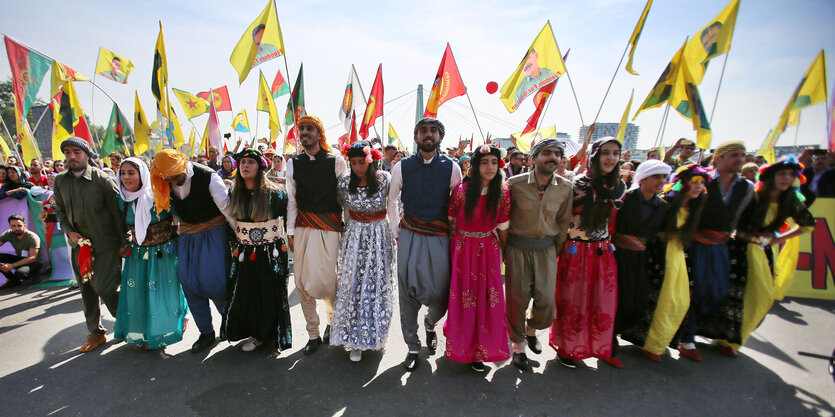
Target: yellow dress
x,y
674,298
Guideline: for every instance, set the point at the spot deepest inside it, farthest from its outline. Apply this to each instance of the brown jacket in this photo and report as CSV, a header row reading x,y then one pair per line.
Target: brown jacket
x,y
533,218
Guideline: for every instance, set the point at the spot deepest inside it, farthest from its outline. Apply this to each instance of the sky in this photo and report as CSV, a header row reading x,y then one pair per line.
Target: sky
x,y
773,45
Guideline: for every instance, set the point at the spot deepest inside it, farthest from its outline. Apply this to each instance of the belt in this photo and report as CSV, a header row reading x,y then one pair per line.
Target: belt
x,y
527,243
363,217
192,228
711,237
630,242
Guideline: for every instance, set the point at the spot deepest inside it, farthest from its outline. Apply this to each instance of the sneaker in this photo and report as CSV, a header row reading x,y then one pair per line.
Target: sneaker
x,y
356,355
478,366
567,362
250,344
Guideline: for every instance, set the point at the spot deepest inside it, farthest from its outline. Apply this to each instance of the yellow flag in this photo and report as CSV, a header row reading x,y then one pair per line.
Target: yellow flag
x,y
191,144
811,90
193,106
62,74
5,148
113,67
392,135
267,103
27,140
260,42
204,142
625,118
669,86
176,132
713,40
141,130
525,142
159,75
241,122
636,34
66,113
541,65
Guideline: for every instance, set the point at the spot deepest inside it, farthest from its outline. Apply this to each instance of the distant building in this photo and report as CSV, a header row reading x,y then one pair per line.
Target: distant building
x,y
630,140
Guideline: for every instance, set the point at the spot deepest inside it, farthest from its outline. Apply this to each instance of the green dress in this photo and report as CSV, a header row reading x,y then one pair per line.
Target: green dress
x,y
152,307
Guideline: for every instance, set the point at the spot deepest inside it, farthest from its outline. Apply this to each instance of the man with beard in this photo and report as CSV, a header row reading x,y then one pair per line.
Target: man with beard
x,y
423,182
686,148
24,263
540,210
314,217
709,257
201,201
86,204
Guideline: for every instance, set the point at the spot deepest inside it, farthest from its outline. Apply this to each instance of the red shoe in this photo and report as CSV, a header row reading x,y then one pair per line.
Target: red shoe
x,y
651,356
614,361
728,351
692,354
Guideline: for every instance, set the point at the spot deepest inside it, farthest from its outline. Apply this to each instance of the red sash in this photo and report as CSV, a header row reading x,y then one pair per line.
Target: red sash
x,y
711,237
368,217
321,221
431,228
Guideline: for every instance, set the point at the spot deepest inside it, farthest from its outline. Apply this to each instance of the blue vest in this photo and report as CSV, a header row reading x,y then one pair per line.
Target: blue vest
x,y
425,192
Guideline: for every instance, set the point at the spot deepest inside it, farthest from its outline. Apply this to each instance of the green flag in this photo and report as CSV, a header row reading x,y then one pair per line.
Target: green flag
x,y
296,100
117,131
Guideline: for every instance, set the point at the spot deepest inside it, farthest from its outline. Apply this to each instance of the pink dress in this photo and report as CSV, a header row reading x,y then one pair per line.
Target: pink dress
x,y
476,328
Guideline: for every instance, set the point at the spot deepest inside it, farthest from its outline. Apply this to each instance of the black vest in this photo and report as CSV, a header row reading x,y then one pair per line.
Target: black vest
x,y
316,183
198,207
628,220
718,216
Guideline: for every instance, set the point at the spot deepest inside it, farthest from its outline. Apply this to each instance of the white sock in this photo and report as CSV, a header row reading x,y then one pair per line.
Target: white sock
x,y
688,346
520,347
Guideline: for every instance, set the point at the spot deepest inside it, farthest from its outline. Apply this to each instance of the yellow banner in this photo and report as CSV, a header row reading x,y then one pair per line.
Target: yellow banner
x,y
525,142
816,261
541,66
113,67
260,42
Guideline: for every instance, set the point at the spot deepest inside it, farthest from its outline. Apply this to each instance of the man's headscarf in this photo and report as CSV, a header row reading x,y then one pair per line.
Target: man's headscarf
x,y
313,120
167,163
430,121
547,143
649,168
729,146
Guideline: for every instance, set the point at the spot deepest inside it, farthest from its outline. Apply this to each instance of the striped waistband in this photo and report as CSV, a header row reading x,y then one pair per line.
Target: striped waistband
x,y
629,242
322,221
192,228
711,237
368,217
430,228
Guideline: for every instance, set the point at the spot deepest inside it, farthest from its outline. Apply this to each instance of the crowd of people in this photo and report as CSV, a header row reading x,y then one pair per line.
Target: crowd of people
x,y
595,247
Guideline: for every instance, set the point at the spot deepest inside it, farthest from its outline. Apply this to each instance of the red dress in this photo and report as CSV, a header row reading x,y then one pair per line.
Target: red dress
x,y
476,328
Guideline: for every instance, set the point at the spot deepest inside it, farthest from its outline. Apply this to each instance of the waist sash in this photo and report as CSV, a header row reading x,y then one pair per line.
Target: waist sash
x,y
430,228
629,242
192,228
527,243
711,237
157,234
322,221
260,233
368,217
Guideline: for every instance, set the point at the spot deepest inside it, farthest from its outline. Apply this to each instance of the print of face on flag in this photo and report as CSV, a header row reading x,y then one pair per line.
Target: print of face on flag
x,y
708,37
113,67
541,65
266,50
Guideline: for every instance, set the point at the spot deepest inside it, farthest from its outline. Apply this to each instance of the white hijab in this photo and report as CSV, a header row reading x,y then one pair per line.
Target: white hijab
x,y
144,197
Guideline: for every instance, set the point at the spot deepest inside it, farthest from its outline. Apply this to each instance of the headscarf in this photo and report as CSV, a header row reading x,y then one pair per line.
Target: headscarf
x,y
227,175
684,175
431,121
167,163
767,173
144,197
315,121
547,143
485,150
361,148
255,154
649,168
79,143
729,146
596,145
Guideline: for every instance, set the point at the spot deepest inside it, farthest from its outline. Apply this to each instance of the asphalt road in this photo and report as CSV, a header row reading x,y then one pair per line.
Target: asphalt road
x,y
42,373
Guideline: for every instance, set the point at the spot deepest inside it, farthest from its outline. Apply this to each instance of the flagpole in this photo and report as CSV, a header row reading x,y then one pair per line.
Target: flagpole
x,y
475,117
11,138
289,80
39,121
659,138
716,99
612,81
797,129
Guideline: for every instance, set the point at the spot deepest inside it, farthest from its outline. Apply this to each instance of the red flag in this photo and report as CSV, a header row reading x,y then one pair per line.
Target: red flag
x,y
342,140
291,137
83,131
353,138
539,101
374,109
214,126
221,95
447,84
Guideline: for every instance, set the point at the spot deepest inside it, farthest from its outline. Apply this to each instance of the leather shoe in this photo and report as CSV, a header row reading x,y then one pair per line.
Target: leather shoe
x,y
614,362
431,342
651,356
326,337
567,362
411,362
728,351
478,366
93,341
312,345
203,342
520,360
692,354
534,344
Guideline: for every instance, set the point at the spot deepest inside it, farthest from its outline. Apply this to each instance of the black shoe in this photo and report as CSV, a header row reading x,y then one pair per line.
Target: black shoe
x,y
431,342
203,342
312,345
533,343
73,286
10,284
521,361
567,362
411,362
326,337
478,366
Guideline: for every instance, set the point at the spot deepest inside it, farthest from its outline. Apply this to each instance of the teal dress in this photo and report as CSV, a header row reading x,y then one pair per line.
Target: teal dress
x,y
152,308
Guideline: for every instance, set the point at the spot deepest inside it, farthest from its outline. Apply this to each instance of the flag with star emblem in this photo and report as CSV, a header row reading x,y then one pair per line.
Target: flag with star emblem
x,y
193,106
118,130
221,96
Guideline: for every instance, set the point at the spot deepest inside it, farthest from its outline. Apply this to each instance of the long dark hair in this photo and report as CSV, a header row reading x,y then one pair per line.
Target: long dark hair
x,y
597,209
372,185
255,204
686,232
787,202
473,191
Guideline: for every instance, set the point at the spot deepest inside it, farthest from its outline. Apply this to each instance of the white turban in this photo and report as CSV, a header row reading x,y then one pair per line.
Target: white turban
x,y
649,168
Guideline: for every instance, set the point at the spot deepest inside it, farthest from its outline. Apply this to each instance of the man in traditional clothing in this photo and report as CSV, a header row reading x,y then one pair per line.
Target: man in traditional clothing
x,y
540,210
86,204
708,256
315,217
423,182
201,202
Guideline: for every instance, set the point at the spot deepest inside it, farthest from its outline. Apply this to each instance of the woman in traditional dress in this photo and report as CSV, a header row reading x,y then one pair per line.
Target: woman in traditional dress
x,y
367,268
586,292
479,212
227,170
152,308
256,304
763,227
15,185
